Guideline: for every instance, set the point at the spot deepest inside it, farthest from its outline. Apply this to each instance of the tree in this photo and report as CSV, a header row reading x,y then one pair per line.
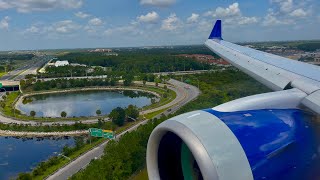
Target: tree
x,y
151,77
22,84
98,112
100,123
132,112
118,116
24,176
127,79
113,81
63,114
32,113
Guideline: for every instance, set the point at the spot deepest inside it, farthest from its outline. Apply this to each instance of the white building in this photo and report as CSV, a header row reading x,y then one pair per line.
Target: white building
x,y
61,63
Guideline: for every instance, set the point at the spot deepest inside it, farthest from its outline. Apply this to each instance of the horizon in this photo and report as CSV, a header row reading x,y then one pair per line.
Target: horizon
x,y
157,46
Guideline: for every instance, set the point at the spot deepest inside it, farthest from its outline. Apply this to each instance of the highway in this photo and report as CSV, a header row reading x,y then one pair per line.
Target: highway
x,y
30,68
81,162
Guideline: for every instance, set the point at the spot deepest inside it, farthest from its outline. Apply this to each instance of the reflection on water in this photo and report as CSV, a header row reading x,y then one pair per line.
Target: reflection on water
x,y
83,103
22,155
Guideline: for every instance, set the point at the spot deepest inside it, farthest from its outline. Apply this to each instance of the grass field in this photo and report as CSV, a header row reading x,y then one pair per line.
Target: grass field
x,y
2,73
141,175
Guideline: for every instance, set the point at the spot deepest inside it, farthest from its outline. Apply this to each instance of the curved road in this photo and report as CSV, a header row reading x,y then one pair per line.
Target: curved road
x,y
185,96
176,86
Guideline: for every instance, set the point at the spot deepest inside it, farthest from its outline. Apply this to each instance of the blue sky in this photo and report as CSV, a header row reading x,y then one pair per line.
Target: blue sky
x,y
56,24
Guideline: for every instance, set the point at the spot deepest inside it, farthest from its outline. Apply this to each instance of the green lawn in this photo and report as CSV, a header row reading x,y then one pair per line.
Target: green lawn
x,y
2,73
141,175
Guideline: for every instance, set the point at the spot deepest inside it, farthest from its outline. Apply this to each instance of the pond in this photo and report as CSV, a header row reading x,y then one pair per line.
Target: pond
x,y
82,104
22,154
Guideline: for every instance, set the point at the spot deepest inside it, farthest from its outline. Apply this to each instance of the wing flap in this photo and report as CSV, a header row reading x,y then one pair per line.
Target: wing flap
x,y
313,101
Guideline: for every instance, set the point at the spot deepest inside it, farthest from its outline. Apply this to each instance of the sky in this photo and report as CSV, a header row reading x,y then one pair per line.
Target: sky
x,y
59,24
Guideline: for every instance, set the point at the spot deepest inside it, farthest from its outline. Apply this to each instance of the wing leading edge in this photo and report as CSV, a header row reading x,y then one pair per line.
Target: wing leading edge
x,y
278,73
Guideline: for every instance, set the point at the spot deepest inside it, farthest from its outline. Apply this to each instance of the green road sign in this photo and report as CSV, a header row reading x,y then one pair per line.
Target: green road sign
x,y
0,85
101,133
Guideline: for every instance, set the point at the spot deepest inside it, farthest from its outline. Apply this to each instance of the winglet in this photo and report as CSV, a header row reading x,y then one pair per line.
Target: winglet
x,y
216,32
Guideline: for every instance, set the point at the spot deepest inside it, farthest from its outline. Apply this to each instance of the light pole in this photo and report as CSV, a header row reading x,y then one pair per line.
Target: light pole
x,y
70,72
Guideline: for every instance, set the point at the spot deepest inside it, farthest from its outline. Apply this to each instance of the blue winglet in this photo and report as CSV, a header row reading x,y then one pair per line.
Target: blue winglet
x,y
216,32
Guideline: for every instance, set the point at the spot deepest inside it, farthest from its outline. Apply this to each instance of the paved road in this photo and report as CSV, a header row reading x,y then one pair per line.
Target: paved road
x,y
161,73
177,87
30,68
182,72
81,162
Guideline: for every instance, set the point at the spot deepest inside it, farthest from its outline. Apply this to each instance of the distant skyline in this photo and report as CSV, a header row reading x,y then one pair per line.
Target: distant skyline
x,y
59,24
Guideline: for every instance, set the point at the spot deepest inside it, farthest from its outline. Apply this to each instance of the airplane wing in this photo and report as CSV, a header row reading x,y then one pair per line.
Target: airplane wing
x,y
277,73
265,136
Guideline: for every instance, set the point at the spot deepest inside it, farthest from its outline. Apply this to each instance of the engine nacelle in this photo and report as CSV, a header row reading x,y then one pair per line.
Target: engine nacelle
x,y
243,145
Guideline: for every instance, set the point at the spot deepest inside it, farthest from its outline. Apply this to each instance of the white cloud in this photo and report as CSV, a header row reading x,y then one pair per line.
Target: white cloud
x,y
161,3
66,26
299,13
151,17
287,12
232,10
171,23
271,19
132,29
25,6
33,29
284,5
231,15
4,23
82,15
247,20
95,22
193,18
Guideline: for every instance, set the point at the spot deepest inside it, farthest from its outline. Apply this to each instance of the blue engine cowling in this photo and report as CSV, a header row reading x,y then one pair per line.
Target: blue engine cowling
x,y
256,144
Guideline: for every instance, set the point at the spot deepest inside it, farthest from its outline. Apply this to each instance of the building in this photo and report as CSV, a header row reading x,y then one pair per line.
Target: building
x,y
101,50
208,59
61,63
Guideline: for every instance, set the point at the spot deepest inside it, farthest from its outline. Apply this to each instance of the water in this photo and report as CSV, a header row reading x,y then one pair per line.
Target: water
x,y
22,155
79,104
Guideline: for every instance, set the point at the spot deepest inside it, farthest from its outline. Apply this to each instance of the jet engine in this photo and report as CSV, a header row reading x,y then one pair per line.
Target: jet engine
x,y
266,143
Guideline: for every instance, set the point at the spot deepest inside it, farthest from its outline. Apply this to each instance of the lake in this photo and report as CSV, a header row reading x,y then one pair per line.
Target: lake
x,y
22,155
85,103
